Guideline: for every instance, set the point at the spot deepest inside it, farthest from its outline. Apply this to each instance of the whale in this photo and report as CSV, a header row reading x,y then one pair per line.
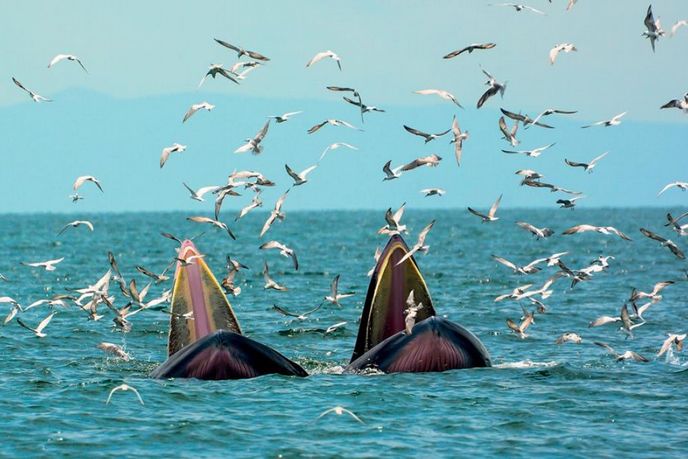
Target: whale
x,y
434,344
205,340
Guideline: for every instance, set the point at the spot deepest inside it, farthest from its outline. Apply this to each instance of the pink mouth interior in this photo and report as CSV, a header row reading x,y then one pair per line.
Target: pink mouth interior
x,y
193,272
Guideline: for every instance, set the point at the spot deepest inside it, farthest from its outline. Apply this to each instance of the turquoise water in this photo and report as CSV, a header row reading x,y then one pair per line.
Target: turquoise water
x,y
540,399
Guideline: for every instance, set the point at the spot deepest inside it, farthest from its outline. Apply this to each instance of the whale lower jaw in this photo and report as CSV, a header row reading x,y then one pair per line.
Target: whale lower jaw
x,y
434,345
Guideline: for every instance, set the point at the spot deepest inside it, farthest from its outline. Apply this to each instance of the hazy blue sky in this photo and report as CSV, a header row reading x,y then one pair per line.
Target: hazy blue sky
x,y
146,58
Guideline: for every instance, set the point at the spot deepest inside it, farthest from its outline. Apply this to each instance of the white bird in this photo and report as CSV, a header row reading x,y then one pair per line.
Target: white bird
x,y
196,107
588,167
391,174
38,331
569,337
334,295
509,135
565,47
519,7
166,152
680,103
470,48
198,194
628,355
331,122
283,250
539,233
683,186
677,25
410,313
83,179
672,339
48,265
530,268
124,387
446,95
255,203
254,145
458,139
547,112
334,146
393,220
284,117
653,295
275,214
520,329
215,223
490,217
299,178
376,257
494,88
269,283
534,153
433,192
214,70
615,121
115,350
339,410
34,96
69,57
654,28
428,137
420,245
598,229
325,54
76,223
242,51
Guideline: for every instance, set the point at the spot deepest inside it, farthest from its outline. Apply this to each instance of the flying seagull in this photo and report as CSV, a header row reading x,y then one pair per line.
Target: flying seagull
x,y
509,135
34,96
391,174
494,88
519,7
299,178
539,233
325,54
283,250
588,167
69,57
419,245
628,355
124,387
331,122
469,49
525,119
683,186
48,265
167,151
284,117
665,243
562,47
242,51
433,192
597,229
425,135
38,331
458,138
490,217
654,28
216,69
546,112
215,223
269,282
275,214
446,95
197,195
253,145
534,153
615,121
681,103
334,146
334,295
196,107
86,178
76,223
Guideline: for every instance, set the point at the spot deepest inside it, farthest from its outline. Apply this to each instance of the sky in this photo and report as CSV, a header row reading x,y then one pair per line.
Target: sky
x,y
145,60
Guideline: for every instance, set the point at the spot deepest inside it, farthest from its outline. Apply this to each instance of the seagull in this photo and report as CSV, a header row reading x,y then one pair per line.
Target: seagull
x,y
376,257
433,192
420,245
115,350
243,65
83,179
670,341
300,178
539,233
198,195
393,220
334,327
547,112
565,47
681,103
275,214
490,217
339,410
228,282
47,265
520,330
76,223
469,49
553,188
215,223
530,268
391,174
570,4
553,259
253,144
331,122
569,337
628,355
615,121
653,295
569,203
284,117
334,296
411,312
302,316
588,167
283,250
157,278
69,57
525,119
429,161
76,197
495,87
458,139
677,25
38,331
534,153
598,229
196,107
509,135
255,203
34,96
269,283
364,108
519,7
425,135
214,70
446,95
654,28
242,51
325,54
124,387
167,151
518,292
334,146
664,242
683,186
528,175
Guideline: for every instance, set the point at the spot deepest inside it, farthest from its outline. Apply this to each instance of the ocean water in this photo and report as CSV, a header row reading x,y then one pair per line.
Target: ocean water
x,y
540,398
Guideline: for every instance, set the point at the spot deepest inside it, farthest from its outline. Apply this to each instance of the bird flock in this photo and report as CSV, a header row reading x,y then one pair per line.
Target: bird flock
x,y
94,299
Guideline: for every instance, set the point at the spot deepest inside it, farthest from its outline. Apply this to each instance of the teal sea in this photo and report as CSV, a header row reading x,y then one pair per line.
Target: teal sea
x,y
540,399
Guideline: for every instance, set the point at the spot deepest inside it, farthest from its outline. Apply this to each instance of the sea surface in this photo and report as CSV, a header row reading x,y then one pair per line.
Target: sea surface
x,y
539,399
